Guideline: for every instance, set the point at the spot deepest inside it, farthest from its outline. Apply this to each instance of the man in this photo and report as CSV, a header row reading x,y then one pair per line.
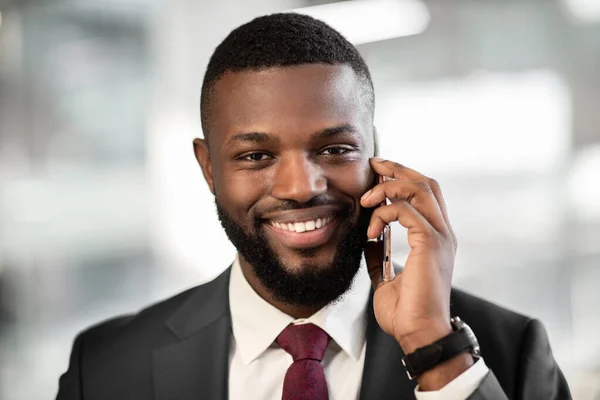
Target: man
x,y
287,112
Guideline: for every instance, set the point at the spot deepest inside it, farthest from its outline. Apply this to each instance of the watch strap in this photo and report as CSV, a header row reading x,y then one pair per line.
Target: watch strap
x,y
427,357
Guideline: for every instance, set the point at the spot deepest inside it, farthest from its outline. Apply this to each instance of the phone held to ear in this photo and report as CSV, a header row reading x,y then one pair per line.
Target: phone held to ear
x,y
386,248
385,244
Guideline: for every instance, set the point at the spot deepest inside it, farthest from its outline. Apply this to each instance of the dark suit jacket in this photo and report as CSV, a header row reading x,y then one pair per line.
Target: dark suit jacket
x,y
178,349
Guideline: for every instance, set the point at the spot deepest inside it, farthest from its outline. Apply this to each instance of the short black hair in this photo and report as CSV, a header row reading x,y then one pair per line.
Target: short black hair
x,y
279,40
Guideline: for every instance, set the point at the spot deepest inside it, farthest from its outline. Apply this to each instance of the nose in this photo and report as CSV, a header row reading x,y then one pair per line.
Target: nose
x,y
298,179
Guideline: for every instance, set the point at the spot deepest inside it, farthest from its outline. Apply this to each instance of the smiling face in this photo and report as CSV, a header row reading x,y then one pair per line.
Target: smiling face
x,y
288,163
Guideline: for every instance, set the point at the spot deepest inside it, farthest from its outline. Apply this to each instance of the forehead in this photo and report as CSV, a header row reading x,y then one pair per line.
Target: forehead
x,y
285,99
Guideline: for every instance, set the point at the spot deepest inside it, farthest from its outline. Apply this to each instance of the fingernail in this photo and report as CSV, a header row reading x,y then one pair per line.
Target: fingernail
x,y
364,196
377,159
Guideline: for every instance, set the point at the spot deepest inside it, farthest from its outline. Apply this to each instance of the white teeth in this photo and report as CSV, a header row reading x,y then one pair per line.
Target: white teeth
x,y
303,226
300,226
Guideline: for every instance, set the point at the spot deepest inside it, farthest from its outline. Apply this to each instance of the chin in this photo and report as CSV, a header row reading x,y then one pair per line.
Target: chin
x,y
300,260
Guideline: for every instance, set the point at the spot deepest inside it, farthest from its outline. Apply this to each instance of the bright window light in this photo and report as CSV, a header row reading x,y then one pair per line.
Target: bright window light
x,y
583,184
584,10
186,231
485,123
366,21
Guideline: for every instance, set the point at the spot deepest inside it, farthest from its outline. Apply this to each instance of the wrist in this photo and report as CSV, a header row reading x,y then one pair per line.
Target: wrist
x,y
439,354
417,338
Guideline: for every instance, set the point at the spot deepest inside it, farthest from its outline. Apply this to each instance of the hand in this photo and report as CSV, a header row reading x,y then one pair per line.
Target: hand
x,y
414,307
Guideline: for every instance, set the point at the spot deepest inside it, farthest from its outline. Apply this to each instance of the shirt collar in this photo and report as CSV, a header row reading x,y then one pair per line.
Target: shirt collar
x,y
256,323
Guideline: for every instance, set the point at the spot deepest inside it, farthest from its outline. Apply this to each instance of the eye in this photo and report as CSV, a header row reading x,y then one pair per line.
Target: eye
x,y
336,151
256,157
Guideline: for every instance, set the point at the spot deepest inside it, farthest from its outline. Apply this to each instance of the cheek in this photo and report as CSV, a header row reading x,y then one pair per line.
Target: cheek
x,y
357,180
238,193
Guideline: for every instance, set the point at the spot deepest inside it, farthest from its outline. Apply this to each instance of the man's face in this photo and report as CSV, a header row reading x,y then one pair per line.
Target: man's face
x,y
289,161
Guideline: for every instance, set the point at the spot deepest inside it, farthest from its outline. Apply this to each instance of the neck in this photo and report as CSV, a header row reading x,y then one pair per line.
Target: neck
x,y
294,311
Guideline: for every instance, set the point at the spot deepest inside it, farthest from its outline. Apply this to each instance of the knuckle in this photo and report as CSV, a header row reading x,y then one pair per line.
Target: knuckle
x,y
396,189
378,214
446,239
424,187
436,240
397,169
417,202
450,241
434,185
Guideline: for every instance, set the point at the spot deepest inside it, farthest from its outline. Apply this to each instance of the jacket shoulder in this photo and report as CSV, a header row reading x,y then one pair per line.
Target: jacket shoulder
x,y
151,316
501,334
479,312
107,357
143,329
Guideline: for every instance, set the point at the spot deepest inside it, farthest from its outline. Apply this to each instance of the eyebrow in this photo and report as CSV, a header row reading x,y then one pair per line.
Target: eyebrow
x,y
263,137
335,131
255,137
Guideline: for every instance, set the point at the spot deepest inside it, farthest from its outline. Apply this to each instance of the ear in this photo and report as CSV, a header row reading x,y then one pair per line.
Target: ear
x,y
375,142
203,157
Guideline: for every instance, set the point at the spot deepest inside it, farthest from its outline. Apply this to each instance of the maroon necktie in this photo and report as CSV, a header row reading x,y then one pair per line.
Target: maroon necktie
x,y
305,378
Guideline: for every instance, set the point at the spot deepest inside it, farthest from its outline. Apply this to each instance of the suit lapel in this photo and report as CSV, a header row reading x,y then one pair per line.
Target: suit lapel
x,y
196,364
384,376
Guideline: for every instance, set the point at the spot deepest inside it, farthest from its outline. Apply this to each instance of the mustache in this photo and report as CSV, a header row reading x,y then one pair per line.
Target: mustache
x,y
286,205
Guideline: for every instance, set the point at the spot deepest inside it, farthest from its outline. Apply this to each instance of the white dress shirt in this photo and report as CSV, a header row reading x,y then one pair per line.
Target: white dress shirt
x,y
257,365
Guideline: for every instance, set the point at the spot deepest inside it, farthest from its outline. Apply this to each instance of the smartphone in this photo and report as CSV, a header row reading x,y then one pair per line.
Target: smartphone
x,y
386,248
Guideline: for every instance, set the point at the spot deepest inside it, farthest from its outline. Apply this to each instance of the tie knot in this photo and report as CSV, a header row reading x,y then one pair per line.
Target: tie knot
x,y
305,341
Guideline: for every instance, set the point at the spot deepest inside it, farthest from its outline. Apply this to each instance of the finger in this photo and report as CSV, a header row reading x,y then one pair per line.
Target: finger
x,y
398,171
374,260
386,168
402,212
437,192
417,194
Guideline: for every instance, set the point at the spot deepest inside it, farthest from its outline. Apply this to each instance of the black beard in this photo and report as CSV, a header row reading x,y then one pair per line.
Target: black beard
x,y
316,285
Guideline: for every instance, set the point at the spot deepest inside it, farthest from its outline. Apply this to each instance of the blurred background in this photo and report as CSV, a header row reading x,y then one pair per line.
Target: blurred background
x,y
103,208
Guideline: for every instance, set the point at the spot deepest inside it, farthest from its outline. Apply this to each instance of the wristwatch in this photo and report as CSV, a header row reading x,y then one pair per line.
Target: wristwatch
x,y
425,358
